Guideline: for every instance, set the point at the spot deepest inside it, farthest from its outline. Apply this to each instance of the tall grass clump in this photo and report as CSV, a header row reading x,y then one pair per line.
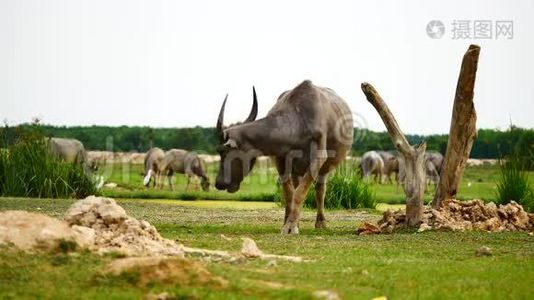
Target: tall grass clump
x,y
513,183
345,189
29,169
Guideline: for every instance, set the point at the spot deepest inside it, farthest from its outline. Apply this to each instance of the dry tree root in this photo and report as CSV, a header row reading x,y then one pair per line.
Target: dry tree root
x,y
459,216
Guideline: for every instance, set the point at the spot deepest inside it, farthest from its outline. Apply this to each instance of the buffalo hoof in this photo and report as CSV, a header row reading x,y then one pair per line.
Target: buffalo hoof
x,y
290,228
320,224
320,221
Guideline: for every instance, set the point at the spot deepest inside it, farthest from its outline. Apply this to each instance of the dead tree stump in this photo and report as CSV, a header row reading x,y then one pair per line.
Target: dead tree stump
x,y
462,132
414,158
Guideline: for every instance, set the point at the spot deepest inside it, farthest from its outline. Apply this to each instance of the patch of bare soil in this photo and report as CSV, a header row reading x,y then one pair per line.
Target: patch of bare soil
x,y
101,225
30,231
460,216
95,223
164,269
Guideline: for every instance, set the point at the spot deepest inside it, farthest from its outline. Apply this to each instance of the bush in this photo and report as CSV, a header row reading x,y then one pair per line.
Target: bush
x,y
29,169
513,183
345,189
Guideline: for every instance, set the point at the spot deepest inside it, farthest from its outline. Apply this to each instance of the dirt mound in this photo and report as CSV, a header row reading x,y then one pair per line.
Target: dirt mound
x,y
31,231
463,216
101,225
94,223
164,269
114,231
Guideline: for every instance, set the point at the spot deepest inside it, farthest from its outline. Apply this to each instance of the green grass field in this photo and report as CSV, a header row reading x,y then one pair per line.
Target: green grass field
x,y
430,265
478,182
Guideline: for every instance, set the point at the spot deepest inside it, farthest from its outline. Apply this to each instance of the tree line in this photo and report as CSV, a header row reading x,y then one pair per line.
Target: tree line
x,y
490,143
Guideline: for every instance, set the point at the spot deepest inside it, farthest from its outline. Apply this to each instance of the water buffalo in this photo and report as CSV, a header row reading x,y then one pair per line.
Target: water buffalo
x,y
391,165
372,164
71,151
184,162
307,133
434,162
152,163
436,158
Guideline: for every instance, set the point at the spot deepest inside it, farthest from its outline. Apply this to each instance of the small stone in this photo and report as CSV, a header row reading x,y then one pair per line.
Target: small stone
x,y
250,249
326,295
162,296
424,227
224,237
110,185
484,251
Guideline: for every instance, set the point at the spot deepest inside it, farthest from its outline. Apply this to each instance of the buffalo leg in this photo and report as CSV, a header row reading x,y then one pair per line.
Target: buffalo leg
x,y
291,224
320,189
285,182
296,181
188,182
319,158
287,190
169,179
387,178
160,180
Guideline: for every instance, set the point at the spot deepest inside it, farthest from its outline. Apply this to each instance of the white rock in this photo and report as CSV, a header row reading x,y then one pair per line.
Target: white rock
x,y
326,295
249,249
424,227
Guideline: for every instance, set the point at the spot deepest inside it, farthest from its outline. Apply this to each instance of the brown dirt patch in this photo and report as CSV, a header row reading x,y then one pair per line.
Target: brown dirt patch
x,y
30,231
169,270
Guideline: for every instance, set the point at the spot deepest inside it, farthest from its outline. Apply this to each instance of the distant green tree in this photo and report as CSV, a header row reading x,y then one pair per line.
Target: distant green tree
x,y
490,143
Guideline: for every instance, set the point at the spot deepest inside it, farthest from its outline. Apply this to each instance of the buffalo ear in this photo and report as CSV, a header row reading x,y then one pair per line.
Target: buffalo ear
x,y
231,143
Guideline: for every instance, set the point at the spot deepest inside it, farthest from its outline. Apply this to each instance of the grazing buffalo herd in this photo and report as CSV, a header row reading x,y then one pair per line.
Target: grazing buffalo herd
x,y
159,164
307,133
380,165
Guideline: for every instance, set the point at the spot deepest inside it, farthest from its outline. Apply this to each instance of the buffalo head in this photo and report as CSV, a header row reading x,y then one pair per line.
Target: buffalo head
x,y
237,157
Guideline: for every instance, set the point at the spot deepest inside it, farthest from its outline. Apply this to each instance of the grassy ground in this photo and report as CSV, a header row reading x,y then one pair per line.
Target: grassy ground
x,y
259,186
478,182
436,265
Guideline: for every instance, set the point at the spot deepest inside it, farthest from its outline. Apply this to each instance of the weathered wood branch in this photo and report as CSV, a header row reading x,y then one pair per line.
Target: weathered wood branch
x,y
397,137
414,158
462,131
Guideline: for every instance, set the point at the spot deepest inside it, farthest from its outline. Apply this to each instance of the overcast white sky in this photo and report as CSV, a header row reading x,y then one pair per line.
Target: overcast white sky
x,y
169,63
